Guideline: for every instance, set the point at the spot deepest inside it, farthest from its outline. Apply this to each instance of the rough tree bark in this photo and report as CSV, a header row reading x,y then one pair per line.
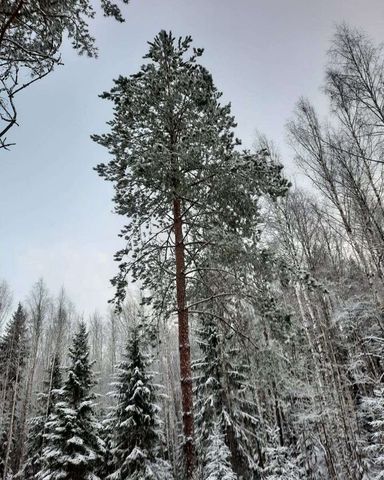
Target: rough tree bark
x,y
184,345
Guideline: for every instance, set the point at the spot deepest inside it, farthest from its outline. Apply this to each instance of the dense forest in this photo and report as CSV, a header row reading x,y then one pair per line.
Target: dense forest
x,y
251,345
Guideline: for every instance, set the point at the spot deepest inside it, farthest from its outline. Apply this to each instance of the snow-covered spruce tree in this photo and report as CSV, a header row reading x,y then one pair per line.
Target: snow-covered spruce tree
x,y
137,439
73,448
218,458
13,357
107,466
37,424
179,180
224,405
281,462
372,414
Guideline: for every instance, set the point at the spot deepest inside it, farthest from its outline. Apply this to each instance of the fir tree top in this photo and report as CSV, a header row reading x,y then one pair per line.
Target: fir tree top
x,y
80,377
14,342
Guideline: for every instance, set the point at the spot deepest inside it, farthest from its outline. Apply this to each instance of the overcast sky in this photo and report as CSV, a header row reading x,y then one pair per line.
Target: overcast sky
x,y
55,212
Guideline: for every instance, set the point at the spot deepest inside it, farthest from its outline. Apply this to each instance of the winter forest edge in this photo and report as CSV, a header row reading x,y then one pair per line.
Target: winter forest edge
x,y
252,346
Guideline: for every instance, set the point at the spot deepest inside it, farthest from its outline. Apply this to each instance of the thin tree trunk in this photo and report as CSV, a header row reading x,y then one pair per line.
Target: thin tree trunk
x,y
49,399
184,345
24,414
28,394
12,421
113,343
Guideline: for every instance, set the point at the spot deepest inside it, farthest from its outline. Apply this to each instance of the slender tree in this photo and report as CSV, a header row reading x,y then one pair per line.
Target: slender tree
x,y
5,302
38,304
38,423
13,358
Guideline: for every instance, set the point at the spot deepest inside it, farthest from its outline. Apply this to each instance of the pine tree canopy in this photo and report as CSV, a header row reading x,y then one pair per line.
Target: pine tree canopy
x,y
171,138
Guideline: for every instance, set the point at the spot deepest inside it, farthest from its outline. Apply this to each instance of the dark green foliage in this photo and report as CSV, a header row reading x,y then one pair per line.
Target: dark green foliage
x,y
73,448
38,424
282,462
13,358
171,138
218,464
13,349
224,406
137,439
107,465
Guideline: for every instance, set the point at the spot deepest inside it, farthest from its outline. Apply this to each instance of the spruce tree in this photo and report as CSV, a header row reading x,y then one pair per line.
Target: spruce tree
x,y
372,414
179,180
73,448
38,423
224,406
218,458
137,439
13,357
107,466
281,461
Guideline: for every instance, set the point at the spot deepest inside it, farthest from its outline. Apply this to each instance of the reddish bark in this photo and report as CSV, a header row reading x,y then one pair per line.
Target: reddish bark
x,y
184,345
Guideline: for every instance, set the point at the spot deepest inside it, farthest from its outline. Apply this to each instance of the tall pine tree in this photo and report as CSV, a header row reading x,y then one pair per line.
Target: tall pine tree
x,y
73,448
180,181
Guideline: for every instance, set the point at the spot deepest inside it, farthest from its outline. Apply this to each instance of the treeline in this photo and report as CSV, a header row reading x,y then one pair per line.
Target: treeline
x,y
51,426
281,373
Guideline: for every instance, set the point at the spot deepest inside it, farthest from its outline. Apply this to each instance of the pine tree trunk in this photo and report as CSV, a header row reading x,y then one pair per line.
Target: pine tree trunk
x,y
184,345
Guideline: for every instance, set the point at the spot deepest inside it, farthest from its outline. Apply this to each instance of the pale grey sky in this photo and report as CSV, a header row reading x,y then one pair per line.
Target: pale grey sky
x,y
55,212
